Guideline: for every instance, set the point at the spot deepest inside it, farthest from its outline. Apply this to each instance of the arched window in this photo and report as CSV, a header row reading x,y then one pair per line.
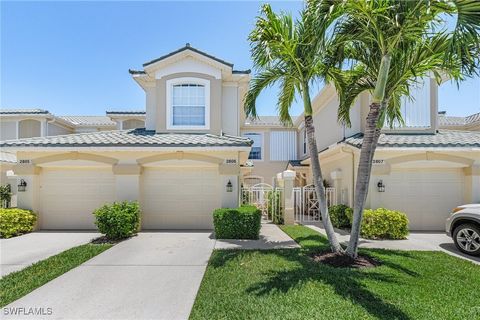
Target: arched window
x,y
188,103
29,128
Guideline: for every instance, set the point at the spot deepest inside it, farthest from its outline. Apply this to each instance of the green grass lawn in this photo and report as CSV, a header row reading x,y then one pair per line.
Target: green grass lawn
x,y
287,284
17,284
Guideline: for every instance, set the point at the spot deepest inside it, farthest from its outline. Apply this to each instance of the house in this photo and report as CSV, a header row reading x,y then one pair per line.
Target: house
x,y
192,150
419,167
181,165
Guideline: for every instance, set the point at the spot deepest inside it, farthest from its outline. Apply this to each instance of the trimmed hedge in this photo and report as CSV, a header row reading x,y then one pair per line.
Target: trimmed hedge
x,y
118,220
383,223
239,223
14,222
339,215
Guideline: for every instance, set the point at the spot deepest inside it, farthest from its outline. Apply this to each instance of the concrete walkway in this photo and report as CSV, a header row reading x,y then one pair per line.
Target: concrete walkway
x,y
151,276
19,252
271,237
424,241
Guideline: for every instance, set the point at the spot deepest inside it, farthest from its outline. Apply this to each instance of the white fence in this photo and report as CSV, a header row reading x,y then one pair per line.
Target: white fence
x,y
306,206
266,198
271,202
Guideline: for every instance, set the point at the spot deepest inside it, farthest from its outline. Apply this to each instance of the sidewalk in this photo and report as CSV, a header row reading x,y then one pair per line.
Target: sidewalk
x,y
271,237
417,240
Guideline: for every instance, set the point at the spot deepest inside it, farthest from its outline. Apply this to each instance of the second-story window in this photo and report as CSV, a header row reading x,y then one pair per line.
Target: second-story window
x,y
256,151
188,103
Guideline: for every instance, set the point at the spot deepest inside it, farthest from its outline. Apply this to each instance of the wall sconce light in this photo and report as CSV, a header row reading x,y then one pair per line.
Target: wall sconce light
x,y
22,186
380,186
229,186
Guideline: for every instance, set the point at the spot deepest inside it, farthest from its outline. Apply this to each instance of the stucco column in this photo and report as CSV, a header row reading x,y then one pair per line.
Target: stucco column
x,y
337,176
472,183
127,182
288,177
28,199
229,185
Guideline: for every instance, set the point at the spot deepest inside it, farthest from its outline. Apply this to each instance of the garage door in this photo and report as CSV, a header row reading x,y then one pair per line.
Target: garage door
x,y
68,197
180,198
426,196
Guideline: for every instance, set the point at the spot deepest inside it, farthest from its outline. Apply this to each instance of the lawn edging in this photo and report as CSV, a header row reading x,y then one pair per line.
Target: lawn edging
x,y
17,284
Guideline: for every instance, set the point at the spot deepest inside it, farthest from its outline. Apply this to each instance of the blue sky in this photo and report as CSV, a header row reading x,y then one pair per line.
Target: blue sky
x,y
73,57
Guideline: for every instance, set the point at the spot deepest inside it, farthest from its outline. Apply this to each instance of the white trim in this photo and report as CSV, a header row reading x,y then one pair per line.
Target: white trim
x,y
184,80
189,64
262,153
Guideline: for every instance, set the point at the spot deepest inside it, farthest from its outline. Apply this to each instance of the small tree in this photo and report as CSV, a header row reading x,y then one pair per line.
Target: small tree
x,y
5,196
384,47
288,52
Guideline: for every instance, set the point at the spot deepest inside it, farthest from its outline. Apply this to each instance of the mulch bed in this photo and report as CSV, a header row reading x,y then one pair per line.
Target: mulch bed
x,y
343,261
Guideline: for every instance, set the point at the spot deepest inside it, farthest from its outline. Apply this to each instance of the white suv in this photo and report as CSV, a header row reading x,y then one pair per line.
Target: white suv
x,y
463,226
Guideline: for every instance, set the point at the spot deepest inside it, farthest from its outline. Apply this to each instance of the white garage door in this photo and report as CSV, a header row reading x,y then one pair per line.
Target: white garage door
x,y
68,197
180,198
426,196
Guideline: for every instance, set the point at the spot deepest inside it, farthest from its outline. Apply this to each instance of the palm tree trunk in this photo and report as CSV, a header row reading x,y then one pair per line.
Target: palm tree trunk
x,y
369,145
317,176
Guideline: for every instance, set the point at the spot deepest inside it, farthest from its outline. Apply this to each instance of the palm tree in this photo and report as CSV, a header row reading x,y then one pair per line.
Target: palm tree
x,y
287,52
385,47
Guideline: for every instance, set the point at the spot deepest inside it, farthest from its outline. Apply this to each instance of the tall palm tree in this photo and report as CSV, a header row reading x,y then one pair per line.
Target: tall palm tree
x,y
287,51
385,47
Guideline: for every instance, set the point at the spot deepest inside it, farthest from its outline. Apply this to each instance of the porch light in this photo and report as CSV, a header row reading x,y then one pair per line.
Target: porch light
x,y
229,186
22,186
380,186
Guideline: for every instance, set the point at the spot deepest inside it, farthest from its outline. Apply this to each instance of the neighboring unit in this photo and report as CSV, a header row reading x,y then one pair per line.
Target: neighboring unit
x,y
178,156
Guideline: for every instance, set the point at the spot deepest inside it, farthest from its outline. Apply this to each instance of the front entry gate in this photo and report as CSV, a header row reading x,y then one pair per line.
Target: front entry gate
x,y
266,198
306,204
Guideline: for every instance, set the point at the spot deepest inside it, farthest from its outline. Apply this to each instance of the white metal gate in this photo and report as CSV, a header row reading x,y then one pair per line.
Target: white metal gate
x,y
306,205
266,198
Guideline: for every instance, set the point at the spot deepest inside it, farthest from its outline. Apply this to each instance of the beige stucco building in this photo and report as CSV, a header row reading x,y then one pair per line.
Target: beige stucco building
x,y
191,150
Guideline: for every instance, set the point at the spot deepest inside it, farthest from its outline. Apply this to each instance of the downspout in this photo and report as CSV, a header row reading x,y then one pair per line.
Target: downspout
x,y
350,151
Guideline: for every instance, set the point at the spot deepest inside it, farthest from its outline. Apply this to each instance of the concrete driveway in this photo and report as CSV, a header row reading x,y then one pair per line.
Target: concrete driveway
x,y
417,240
151,276
20,252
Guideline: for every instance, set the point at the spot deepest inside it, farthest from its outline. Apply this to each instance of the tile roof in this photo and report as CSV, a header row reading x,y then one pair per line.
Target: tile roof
x,y
131,138
89,120
188,47
23,111
7,157
445,121
266,121
442,139
126,112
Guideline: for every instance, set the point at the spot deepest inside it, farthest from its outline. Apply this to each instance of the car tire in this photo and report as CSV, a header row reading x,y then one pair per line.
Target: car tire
x,y
467,238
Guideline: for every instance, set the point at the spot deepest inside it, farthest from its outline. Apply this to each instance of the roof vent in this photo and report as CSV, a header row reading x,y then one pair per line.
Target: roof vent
x,y
187,45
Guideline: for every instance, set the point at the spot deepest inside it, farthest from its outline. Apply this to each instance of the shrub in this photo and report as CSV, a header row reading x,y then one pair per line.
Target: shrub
x,y
239,223
118,220
382,223
5,196
339,214
14,222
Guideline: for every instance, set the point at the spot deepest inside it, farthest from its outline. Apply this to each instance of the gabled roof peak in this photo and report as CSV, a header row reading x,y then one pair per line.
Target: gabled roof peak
x,y
184,48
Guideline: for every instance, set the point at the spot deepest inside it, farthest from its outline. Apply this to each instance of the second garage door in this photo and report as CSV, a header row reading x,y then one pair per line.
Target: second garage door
x,y
427,196
180,197
69,196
